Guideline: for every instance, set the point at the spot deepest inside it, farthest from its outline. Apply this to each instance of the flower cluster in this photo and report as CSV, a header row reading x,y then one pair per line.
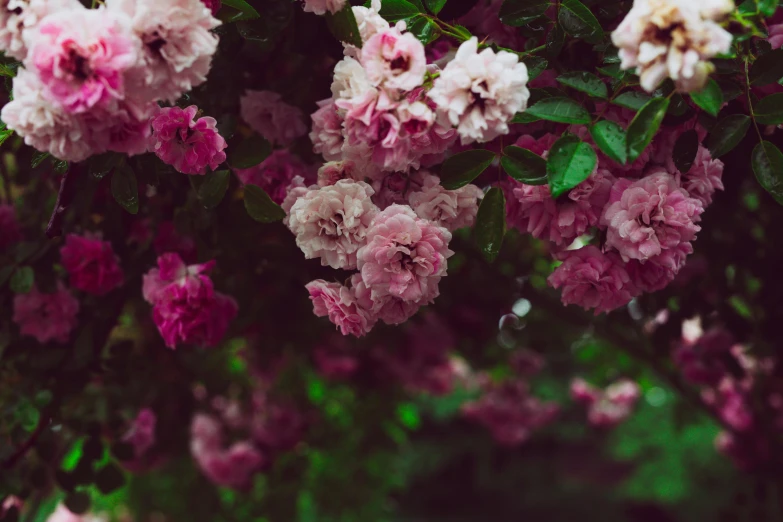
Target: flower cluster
x,y
608,407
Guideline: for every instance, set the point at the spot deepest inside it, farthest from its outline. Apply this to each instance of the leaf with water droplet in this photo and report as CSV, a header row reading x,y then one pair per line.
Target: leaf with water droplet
x,y
125,189
491,223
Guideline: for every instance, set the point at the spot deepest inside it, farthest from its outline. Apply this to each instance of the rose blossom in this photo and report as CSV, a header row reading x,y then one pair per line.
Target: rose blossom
x,y
339,303
18,16
332,222
47,317
275,174
650,216
451,209
188,145
394,60
672,38
405,256
92,265
387,308
539,145
327,133
607,407
10,232
593,280
369,21
63,514
271,117
704,177
480,92
333,171
177,45
320,7
213,6
660,270
141,434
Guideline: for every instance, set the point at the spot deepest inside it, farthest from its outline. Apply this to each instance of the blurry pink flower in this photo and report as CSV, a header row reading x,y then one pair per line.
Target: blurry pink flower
x,y
334,359
10,231
593,280
539,145
339,303
606,407
702,360
271,117
275,174
394,60
704,177
18,16
327,133
276,426
92,265
81,56
775,38
584,392
650,216
47,317
730,401
141,434
405,256
451,209
187,145
320,7
63,514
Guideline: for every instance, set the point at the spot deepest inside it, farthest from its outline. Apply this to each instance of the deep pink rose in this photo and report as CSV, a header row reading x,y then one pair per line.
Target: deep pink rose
x,y
47,317
92,265
188,145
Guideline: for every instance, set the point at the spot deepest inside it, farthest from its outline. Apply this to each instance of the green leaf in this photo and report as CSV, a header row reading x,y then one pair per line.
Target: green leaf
x,y
5,134
524,166
260,206
38,158
424,30
125,190
462,168
710,98
343,25
60,166
585,82
767,7
246,11
561,110
517,13
727,134
213,188
491,223
109,478
555,39
611,139
435,5
769,111
685,150
570,162
6,71
767,162
768,68
250,152
394,10
102,164
633,100
535,66
644,126
22,281
578,21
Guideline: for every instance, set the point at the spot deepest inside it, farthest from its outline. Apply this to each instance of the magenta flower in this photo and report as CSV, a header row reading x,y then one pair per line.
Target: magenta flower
x,y
339,303
275,174
92,265
189,145
47,317
10,231
593,280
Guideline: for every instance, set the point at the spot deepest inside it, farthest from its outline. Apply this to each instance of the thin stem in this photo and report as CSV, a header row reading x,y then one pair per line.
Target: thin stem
x,y
64,198
750,101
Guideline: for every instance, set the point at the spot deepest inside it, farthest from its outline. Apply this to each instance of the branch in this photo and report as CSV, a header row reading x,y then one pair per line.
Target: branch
x,y
64,199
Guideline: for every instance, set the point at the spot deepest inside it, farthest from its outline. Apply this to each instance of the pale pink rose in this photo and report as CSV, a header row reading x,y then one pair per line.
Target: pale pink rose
x,y
177,46
81,56
650,216
478,93
296,190
704,177
275,174
451,209
92,265
593,280
332,222
729,399
349,81
775,38
405,256
339,303
46,317
333,171
141,434
188,145
615,404
320,7
19,16
271,117
394,60
327,133
10,231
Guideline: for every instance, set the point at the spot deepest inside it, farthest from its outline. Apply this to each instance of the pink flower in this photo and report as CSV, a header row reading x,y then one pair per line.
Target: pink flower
x,y
81,56
394,60
657,272
405,256
47,317
186,308
389,309
320,7
10,231
339,303
607,407
333,171
271,117
92,265
703,360
63,514
593,280
141,434
451,209
775,38
334,359
332,222
275,174
327,133
126,128
538,146
187,145
20,16
704,177
213,5
650,216
393,188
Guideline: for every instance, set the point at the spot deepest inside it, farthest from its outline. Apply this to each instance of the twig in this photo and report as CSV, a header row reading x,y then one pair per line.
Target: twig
x,y
27,444
64,199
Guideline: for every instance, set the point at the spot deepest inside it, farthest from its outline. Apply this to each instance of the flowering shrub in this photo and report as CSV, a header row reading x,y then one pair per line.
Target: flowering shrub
x,y
179,176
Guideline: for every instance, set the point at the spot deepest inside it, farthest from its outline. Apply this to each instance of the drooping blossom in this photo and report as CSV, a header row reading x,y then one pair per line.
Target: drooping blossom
x,y
18,16
606,407
188,145
451,209
405,256
339,304
650,217
320,7
82,56
141,434
672,39
394,60
92,265
46,317
592,279
275,174
327,134
10,231
177,45
271,117
332,222
185,307
479,92
704,177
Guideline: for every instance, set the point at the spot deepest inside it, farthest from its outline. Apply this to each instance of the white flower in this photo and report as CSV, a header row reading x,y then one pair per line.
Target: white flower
x,y
331,222
18,16
451,209
674,39
480,92
320,7
370,22
350,79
